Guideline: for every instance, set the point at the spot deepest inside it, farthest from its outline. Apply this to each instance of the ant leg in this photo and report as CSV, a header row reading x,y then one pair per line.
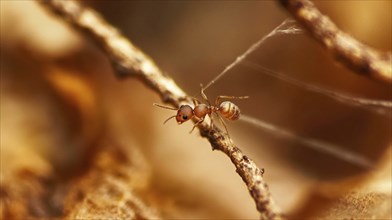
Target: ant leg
x,y
217,101
224,125
196,102
196,124
204,95
211,122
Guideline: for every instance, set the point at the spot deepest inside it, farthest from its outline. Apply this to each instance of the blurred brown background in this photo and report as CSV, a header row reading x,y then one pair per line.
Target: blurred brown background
x,y
61,107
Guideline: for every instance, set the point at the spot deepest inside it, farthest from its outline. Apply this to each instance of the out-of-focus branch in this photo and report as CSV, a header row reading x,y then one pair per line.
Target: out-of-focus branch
x,y
128,60
354,54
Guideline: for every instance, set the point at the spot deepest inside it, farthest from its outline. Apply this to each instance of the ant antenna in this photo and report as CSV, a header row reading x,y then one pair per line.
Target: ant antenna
x,y
166,107
169,119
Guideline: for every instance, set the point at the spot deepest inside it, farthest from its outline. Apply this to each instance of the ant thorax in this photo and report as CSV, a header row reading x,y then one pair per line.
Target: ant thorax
x,y
202,110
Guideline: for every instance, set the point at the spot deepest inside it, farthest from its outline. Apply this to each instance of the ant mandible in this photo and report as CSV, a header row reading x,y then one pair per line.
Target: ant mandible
x,y
225,109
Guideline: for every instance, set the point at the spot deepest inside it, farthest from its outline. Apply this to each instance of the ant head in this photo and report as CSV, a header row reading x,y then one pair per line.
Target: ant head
x,y
184,113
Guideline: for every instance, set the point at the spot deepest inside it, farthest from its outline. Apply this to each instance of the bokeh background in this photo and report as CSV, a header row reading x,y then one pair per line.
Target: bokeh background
x,y
71,133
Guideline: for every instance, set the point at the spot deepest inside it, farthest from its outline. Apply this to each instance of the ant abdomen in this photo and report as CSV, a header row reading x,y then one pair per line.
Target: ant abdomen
x,y
229,110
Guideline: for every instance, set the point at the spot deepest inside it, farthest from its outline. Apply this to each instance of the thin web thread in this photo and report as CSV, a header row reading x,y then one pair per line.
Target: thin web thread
x,y
290,30
384,106
311,143
379,106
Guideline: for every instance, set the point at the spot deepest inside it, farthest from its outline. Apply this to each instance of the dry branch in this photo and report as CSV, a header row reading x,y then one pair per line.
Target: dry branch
x,y
128,60
349,51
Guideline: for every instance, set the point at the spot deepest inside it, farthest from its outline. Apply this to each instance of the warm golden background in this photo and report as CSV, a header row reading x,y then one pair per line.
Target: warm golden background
x,y
77,142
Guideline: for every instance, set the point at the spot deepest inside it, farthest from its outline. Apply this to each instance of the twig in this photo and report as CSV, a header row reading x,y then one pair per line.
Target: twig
x,y
128,60
354,54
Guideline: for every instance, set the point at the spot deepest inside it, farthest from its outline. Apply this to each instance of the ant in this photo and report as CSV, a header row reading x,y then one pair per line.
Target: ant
x,y
225,109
